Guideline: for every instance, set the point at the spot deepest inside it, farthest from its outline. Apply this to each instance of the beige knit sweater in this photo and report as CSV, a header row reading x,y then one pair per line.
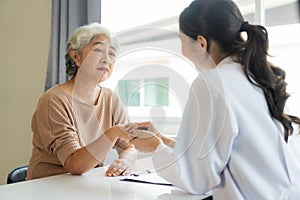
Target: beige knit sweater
x,y
61,125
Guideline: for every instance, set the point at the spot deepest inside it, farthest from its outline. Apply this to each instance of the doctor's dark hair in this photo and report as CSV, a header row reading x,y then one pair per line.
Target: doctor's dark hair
x,y
222,22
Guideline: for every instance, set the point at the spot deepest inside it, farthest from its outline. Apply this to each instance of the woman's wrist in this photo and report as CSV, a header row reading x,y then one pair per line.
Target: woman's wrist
x,y
112,134
130,154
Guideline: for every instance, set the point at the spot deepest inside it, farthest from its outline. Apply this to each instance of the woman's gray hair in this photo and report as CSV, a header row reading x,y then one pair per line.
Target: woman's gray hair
x,y
81,37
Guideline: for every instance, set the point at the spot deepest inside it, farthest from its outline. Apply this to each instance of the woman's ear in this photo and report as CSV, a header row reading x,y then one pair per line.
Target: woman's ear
x,y
75,57
202,41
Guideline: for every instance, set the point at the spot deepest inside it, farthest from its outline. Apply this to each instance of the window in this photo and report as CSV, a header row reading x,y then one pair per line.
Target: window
x,y
282,22
156,92
129,93
281,18
153,85
151,54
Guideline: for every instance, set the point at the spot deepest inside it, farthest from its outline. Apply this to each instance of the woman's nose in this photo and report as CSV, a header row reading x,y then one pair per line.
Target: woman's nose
x,y
105,59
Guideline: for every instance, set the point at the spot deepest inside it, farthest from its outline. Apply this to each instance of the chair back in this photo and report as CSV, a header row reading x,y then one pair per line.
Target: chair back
x,y
17,175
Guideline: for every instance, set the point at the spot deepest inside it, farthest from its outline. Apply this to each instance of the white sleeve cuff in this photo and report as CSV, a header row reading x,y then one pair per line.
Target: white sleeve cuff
x,y
160,147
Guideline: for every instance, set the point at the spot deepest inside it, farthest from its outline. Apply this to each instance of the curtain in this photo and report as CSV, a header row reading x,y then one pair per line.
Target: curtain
x,y
299,7
67,15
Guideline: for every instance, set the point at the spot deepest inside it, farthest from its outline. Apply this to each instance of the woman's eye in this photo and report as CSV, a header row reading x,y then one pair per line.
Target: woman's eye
x,y
97,50
112,55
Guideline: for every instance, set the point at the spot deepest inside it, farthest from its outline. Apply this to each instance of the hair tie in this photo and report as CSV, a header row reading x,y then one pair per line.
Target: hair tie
x,y
244,26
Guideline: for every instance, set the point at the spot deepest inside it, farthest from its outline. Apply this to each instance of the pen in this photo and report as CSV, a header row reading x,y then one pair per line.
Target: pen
x,y
144,128
148,171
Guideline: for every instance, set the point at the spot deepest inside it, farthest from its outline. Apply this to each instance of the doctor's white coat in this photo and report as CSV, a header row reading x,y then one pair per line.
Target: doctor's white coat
x,y
229,144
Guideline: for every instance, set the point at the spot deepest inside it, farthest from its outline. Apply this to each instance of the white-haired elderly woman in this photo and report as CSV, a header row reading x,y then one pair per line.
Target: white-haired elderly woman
x,y
75,124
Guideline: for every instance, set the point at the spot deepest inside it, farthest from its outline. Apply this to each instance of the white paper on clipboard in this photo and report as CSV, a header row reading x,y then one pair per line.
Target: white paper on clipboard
x,y
148,178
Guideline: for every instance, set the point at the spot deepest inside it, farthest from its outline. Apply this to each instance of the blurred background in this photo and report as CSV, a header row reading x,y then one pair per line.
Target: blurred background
x,y
147,73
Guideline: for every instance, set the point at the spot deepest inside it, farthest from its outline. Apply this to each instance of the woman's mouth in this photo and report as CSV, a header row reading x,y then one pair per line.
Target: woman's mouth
x,y
103,69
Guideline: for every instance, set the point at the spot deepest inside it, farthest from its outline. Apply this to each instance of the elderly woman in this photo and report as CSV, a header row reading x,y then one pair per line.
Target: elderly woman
x,y
75,123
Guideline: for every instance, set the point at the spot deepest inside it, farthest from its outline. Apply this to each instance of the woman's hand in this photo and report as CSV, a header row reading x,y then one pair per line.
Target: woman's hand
x,y
127,155
120,167
116,132
145,141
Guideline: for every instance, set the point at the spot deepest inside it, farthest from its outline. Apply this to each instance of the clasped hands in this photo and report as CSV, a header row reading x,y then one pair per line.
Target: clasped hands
x,y
145,137
142,136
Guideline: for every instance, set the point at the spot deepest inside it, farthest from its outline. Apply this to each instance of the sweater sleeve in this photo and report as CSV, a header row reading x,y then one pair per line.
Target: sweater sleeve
x,y
118,110
56,127
119,117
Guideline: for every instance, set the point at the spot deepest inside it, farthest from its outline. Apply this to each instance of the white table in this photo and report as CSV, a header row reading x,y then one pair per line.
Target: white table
x,y
92,185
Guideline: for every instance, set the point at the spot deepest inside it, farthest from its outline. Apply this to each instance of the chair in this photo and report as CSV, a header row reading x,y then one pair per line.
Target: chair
x,y
17,175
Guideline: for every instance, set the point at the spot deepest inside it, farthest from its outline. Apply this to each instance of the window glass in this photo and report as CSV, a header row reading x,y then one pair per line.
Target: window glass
x,y
122,15
156,92
129,92
281,12
247,8
282,23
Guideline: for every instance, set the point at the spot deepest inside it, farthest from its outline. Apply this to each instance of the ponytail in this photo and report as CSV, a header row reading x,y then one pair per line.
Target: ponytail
x,y
263,74
225,29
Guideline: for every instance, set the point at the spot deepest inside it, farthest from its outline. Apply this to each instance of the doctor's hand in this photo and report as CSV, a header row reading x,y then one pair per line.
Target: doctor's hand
x,y
149,126
144,141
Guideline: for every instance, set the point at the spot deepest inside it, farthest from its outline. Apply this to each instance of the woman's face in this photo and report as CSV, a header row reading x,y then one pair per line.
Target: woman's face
x,y
195,51
189,47
96,60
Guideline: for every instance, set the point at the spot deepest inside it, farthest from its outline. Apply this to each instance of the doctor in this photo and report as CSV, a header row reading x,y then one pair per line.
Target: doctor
x,y
234,137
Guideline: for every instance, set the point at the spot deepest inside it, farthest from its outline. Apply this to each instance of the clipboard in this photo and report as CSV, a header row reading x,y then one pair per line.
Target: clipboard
x,y
148,178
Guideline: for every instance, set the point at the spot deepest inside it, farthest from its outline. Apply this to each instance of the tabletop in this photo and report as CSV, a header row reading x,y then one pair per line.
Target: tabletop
x,y
91,185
